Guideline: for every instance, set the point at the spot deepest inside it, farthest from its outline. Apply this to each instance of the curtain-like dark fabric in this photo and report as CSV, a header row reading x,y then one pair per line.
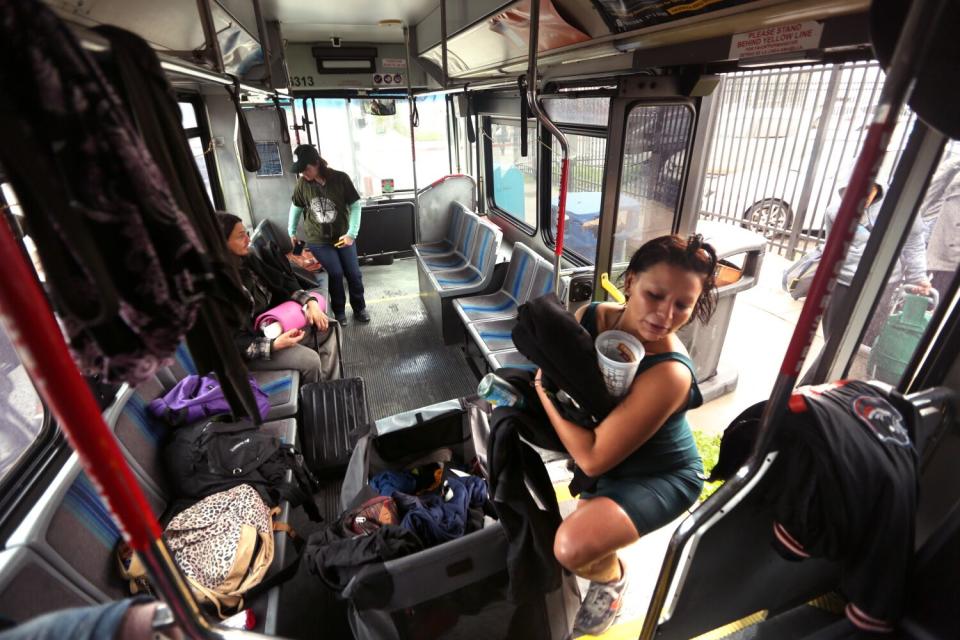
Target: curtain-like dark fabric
x,y
125,269
151,100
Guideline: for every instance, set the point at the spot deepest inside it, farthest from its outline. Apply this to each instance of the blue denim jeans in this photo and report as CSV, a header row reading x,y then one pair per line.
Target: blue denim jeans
x,y
341,263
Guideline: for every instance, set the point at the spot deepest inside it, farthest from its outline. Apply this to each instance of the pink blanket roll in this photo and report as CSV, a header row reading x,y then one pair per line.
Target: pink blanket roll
x,y
289,314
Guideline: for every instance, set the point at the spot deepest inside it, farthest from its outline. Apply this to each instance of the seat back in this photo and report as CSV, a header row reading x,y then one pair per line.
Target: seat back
x,y
484,253
138,433
456,223
542,280
520,272
468,235
72,530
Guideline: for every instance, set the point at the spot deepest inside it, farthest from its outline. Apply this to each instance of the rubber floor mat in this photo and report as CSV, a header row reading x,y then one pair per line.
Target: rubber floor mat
x,y
399,354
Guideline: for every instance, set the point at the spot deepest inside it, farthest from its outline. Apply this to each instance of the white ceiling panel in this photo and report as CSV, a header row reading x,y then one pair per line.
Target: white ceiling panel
x,y
354,20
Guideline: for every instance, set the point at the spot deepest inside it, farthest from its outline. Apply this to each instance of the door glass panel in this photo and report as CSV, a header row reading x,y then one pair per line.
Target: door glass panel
x,y
654,163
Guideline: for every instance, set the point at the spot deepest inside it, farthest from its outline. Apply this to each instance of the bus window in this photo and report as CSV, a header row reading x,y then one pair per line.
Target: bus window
x,y
373,148
21,411
587,154
654,162
585,111
929,256
513,177
196,137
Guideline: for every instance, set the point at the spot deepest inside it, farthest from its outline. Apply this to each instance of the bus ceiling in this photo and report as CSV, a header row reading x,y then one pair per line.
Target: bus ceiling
x,y
362,47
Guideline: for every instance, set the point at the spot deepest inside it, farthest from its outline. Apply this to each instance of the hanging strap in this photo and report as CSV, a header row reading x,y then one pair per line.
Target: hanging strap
x,y
248,147
524,114
471,130
282,117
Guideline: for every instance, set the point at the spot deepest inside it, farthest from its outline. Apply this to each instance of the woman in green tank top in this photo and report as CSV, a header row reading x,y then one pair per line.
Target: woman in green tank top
x,y
643,455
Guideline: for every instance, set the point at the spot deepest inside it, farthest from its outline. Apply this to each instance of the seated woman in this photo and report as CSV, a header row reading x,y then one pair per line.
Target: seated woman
x,y
643,454
284,351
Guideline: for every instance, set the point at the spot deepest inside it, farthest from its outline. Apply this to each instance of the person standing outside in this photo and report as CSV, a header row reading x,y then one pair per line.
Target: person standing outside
x,y
943,251
329,205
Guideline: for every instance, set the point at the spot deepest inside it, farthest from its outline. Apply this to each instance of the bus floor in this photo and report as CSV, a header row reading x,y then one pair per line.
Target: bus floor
x,y
404,365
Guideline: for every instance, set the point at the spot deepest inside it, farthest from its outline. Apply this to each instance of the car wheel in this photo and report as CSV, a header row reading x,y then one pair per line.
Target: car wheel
x,y
771,217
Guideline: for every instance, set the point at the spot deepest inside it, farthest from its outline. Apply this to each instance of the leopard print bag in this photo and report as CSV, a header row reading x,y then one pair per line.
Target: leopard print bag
x,y
224,545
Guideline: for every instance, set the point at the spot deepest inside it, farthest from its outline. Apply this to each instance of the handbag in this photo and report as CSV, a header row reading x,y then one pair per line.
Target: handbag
x,y
289,315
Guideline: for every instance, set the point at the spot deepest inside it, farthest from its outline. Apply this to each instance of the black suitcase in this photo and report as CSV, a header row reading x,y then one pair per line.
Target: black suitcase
x,y
458,589
331,417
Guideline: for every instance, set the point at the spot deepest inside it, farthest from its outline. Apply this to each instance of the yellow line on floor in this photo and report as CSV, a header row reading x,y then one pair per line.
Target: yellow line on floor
x,y
395,298
733,627
562,491
620,631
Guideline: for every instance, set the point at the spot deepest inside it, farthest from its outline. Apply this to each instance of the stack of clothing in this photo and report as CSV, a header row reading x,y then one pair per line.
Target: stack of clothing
x,y
435,502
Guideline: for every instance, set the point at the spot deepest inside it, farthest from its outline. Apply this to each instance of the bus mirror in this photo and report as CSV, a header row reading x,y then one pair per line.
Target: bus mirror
x,y
380,107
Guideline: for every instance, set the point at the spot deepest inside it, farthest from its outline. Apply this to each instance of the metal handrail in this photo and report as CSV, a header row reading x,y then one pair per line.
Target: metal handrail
x,y
541,115
910,52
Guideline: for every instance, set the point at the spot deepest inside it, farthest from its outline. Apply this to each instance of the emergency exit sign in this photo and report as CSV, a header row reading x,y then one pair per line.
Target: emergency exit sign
x,y
787,38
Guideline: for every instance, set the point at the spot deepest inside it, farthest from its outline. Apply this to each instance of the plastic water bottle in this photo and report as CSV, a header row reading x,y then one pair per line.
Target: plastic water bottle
x,y
499,392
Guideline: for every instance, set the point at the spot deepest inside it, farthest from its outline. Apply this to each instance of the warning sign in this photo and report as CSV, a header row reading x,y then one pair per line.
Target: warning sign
x,y
784,39
393,63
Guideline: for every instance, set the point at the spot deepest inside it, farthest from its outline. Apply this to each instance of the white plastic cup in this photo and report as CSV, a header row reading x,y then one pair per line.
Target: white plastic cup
x,y
613,349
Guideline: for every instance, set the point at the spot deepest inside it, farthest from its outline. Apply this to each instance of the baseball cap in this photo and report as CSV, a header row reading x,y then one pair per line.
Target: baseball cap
x,y
303,155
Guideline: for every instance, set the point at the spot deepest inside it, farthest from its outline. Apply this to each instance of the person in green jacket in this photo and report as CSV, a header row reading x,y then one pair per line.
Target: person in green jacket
x,y
331,224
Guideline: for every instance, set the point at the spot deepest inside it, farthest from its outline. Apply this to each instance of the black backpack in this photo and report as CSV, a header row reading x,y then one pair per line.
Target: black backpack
x,y
211,456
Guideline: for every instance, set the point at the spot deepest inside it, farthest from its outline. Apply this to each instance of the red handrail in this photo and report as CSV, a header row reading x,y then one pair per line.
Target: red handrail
x,y
36,336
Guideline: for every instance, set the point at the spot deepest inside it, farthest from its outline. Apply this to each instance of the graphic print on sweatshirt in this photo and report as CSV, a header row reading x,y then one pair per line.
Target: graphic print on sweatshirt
x,y
324,210
885,421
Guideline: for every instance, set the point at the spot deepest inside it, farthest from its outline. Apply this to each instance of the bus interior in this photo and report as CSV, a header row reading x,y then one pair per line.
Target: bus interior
x,y
533,147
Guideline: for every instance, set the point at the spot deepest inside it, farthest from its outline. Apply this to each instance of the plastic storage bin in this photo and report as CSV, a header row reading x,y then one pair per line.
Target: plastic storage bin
x,y
458,588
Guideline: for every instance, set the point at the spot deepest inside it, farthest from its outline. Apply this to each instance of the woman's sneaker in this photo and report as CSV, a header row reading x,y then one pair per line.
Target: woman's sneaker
x,y
601,606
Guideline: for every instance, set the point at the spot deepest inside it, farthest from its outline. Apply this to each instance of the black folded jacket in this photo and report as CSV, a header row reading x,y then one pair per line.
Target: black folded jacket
x,y
550,337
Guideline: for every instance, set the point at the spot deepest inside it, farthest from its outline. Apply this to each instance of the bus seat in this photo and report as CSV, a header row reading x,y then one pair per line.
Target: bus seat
x,y
511,358
281,386
139,433
460,255
476,273
72,530
492,335
504,302
24,576
448,244
480,274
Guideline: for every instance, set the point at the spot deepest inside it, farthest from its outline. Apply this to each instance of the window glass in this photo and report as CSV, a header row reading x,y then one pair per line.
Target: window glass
x,y
589,111
198,156
433,160
21,411
188,115
514,177
654,161
380,146
584,185
929,255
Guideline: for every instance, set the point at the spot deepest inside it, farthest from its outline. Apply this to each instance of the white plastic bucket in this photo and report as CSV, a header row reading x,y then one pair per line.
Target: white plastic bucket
x,y
614,348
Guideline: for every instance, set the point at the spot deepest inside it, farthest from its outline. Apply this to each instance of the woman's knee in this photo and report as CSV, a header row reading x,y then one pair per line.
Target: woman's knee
x,y
569,549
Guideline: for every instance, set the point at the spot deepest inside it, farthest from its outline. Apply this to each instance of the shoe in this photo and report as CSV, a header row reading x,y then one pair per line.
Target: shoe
x,y
342,319
601,606
362,316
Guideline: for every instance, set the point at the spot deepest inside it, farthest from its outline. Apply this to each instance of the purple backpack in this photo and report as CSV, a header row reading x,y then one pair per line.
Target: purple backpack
x,y
195,398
